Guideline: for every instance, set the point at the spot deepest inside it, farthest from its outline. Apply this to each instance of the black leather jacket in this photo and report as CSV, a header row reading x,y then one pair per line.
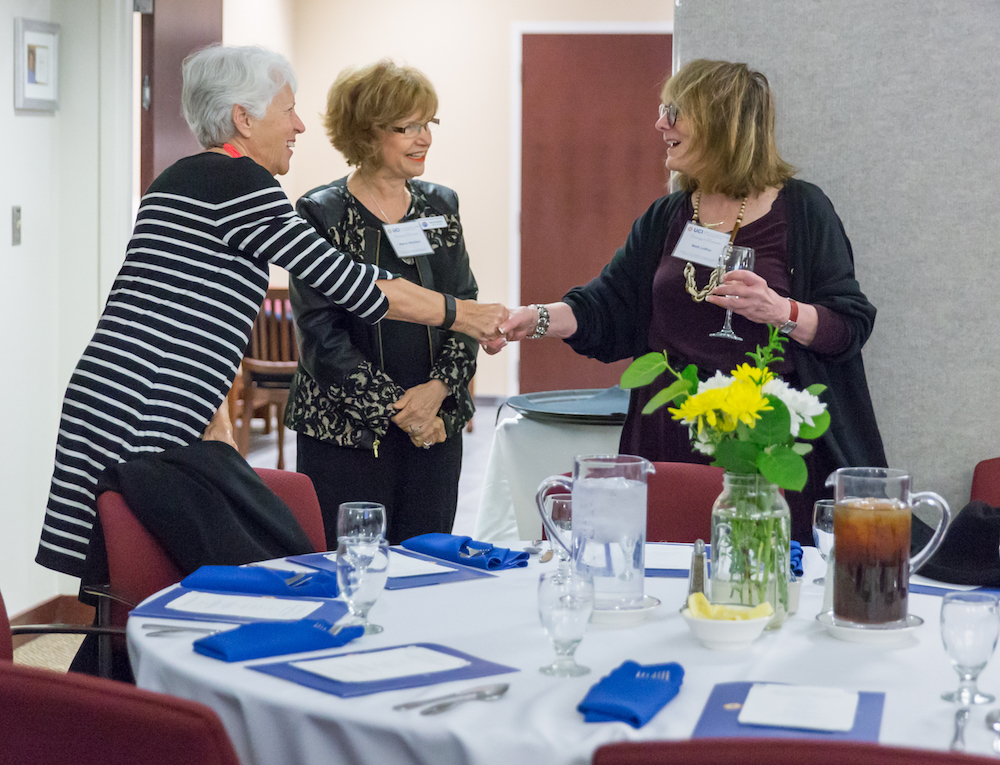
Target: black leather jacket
x,y
341,392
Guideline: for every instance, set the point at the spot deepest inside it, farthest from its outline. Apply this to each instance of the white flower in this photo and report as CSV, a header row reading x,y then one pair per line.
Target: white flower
x,y
701,442
718,380
801,405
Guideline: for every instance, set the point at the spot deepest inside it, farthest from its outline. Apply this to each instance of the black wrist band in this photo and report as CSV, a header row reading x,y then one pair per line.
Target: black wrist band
x,y
449,312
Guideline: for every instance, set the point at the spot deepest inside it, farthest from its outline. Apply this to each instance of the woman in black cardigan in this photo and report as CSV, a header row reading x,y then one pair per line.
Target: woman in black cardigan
x,y
717,120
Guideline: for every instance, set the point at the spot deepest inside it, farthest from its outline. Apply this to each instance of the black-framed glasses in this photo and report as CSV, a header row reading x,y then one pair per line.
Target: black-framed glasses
x,y
670,112
413,129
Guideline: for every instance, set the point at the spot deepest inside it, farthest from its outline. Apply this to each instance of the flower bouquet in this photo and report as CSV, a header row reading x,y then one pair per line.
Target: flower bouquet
x,y
755,427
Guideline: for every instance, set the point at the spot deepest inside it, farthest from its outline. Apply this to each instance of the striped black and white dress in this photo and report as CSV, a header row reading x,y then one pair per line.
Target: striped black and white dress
x,y
176,324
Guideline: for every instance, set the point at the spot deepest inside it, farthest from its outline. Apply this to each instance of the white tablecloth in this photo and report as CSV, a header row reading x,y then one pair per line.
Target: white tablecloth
x,y
524,453
273,721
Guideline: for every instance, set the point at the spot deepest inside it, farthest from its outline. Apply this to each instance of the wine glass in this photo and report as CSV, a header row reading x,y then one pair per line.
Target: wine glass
x,y
562,519
362,568
823,532
361,519
970,624
565,602
733,259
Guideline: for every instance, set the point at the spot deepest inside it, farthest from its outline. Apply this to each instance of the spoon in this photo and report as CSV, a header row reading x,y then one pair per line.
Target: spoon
x,y
499,688
485,695
993,722
534,548
958,742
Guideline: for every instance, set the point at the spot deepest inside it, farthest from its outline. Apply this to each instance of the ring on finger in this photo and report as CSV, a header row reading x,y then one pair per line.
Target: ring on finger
x,y
427,444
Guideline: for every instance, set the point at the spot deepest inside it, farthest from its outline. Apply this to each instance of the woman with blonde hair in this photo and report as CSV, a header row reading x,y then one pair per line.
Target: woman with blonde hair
x,y
379,410
717,120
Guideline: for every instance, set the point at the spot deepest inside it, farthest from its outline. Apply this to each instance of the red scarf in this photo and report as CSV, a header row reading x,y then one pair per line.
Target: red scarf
x,y
231,150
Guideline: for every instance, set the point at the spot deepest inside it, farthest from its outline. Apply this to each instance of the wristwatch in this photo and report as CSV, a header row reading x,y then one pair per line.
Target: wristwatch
x,y
789,326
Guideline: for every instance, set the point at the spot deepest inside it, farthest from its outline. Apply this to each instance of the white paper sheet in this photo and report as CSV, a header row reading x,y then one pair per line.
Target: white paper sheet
x,y
799,706
404,565
668,556
248,606
382,665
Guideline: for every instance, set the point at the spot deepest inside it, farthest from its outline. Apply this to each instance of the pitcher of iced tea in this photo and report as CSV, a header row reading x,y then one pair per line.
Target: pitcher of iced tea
x,y
871,540
609,525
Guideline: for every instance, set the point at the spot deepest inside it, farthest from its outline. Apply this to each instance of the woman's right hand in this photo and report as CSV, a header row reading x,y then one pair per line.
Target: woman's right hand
x,y
481,321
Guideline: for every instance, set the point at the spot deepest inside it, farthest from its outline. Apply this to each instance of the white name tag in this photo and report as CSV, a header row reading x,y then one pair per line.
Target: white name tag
x,y
701,245
436,221
408,239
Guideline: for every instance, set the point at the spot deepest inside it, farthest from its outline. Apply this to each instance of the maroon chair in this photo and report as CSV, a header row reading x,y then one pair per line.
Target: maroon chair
x,y
679,501
138,566
986,482
774,751
51,718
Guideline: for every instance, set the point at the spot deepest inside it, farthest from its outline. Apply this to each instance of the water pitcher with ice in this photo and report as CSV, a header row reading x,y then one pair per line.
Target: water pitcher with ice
x,y
871,542
609,525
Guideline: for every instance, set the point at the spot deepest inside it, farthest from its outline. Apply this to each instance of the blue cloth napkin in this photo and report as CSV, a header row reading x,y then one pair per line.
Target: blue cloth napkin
x,y
632,693
255,580
795,559
261,639
464,550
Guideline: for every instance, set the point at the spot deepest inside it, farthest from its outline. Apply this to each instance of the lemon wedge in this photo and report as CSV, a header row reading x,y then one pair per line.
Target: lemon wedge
x,y
700,608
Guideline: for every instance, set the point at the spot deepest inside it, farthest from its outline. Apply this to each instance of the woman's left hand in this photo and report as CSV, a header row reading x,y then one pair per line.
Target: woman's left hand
x,y
435,434
748,295
418,407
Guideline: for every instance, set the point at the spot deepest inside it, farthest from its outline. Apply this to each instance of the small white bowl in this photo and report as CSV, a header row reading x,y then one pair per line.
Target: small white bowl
x,y
726,634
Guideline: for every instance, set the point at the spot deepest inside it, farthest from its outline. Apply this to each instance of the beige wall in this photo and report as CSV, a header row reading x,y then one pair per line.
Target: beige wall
x,y
465,49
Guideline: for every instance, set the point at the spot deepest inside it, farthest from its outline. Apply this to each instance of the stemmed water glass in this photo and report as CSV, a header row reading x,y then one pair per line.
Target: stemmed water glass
x,y
361,519
970,624
823,532
562,518
733,259
565,603
362,569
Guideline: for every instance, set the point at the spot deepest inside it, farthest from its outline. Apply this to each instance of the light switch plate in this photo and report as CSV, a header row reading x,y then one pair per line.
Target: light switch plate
x,y
15,222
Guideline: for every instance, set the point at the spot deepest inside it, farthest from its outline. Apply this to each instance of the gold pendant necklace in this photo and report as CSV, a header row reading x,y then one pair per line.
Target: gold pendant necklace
x,y
699,295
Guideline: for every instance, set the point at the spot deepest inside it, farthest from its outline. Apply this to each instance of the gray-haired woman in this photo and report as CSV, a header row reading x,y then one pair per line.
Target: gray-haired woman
x,y
157,370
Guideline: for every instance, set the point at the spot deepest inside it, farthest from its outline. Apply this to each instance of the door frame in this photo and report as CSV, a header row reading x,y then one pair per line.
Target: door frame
x,y
518,29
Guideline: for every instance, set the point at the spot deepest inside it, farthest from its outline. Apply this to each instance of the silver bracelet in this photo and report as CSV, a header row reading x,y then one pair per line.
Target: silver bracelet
x,y
543,321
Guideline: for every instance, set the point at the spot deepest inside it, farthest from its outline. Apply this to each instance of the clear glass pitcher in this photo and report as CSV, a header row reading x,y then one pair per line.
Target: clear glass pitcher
x,y
871,536
609,525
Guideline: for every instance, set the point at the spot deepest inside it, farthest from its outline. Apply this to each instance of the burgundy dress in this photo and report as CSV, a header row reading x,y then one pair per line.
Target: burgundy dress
x,y
682,328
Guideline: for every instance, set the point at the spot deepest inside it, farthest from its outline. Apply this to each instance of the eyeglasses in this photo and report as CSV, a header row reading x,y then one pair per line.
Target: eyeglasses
x,y
413,129
670,112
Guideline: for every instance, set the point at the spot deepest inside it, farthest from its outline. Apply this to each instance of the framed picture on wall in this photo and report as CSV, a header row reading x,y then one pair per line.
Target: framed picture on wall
x,y
36,65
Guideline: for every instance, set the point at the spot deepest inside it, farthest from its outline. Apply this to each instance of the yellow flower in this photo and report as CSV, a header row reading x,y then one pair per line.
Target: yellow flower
x,y
723,408
748,374
701,408
744,403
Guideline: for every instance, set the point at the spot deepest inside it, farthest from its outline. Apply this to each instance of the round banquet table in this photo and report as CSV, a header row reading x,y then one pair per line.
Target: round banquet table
x,y
273,721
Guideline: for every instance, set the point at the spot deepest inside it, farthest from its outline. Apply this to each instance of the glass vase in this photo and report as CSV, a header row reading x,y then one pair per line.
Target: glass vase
x,y
750,545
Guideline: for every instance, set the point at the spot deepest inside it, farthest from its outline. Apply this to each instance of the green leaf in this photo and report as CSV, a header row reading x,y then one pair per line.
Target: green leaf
x,y
820,423
665,396
773,427
737,456
783,467
816,388
690,373
644,370
801,449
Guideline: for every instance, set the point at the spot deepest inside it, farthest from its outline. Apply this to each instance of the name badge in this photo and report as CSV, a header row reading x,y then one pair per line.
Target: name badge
x,y
701,245
436,221
408,239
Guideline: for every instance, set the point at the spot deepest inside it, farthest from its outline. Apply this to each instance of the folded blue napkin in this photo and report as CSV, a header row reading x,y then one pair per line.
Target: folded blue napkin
x,y
262,639
464,550
795,559
632,693
254,580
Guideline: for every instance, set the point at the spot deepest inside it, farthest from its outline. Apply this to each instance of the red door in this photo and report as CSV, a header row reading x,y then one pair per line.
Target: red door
x,y
169,34
591,163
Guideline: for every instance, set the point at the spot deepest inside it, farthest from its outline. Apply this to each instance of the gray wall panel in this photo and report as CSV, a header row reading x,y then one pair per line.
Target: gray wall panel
x,y
893,108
